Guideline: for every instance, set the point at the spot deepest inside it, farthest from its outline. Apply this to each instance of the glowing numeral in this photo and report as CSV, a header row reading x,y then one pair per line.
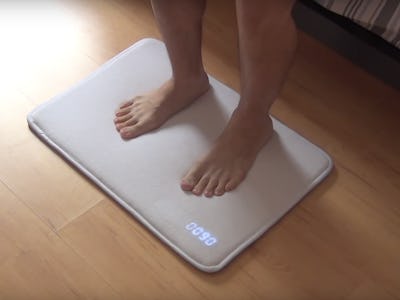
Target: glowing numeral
x,y
204,236
197,231
210,241
191,226
201,234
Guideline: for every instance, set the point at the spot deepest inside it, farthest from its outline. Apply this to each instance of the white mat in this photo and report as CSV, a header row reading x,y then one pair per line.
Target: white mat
x,y
143,174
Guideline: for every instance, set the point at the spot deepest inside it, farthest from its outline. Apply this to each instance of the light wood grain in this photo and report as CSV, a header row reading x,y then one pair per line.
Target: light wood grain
x,y
62,238
37,264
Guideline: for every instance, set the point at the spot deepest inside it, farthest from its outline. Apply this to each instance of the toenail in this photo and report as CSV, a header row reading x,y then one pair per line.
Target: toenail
x,y
185,182
186,186
196,191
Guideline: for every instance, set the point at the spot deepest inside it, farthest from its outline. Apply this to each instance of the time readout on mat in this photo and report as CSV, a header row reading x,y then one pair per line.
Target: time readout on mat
x,y
203,235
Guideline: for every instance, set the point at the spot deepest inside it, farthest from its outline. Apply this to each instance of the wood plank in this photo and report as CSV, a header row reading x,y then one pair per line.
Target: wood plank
x,y
36,264
44,182
14,107
370,290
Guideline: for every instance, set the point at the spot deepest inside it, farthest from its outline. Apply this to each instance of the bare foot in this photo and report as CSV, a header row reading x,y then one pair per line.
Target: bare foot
x,y
145,113
233,154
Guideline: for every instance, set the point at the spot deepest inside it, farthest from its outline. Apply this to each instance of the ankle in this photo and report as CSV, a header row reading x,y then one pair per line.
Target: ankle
x,y
192,79
251,111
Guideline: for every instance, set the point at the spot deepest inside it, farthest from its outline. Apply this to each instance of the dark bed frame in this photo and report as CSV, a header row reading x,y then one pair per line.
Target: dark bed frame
x,y
359,45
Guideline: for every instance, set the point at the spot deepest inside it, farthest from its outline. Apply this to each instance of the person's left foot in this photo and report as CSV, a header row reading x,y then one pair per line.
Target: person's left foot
x,y
148,112
233,154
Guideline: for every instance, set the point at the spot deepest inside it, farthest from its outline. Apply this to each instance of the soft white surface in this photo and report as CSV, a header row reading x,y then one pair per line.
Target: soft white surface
x,y
143,174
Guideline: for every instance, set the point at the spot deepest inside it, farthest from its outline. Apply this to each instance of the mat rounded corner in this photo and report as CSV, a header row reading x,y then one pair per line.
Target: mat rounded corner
x,y
209,268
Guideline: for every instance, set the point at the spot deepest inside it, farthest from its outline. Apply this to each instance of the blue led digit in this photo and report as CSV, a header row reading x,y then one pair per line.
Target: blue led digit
x,y
210,241
204,236
197,231
191,226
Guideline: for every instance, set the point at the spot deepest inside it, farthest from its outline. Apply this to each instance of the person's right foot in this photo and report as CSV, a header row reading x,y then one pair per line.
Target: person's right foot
x,y
148,112
227,163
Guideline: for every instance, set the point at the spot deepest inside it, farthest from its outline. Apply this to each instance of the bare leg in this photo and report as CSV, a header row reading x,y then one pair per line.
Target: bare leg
x,y
267,41
180,24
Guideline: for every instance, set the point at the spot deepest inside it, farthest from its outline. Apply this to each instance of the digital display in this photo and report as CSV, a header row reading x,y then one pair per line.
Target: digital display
x,y
202,235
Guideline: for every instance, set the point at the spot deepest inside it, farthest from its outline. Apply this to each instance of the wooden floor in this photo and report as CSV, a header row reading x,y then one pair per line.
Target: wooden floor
x,y
62,238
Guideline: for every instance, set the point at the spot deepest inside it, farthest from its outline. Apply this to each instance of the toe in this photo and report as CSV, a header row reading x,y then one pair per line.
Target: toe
x,y
220,189
210,188
126,104
190,180
234,181
187,186
200,186
122,119
123,111
129,123
231,185
130,132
